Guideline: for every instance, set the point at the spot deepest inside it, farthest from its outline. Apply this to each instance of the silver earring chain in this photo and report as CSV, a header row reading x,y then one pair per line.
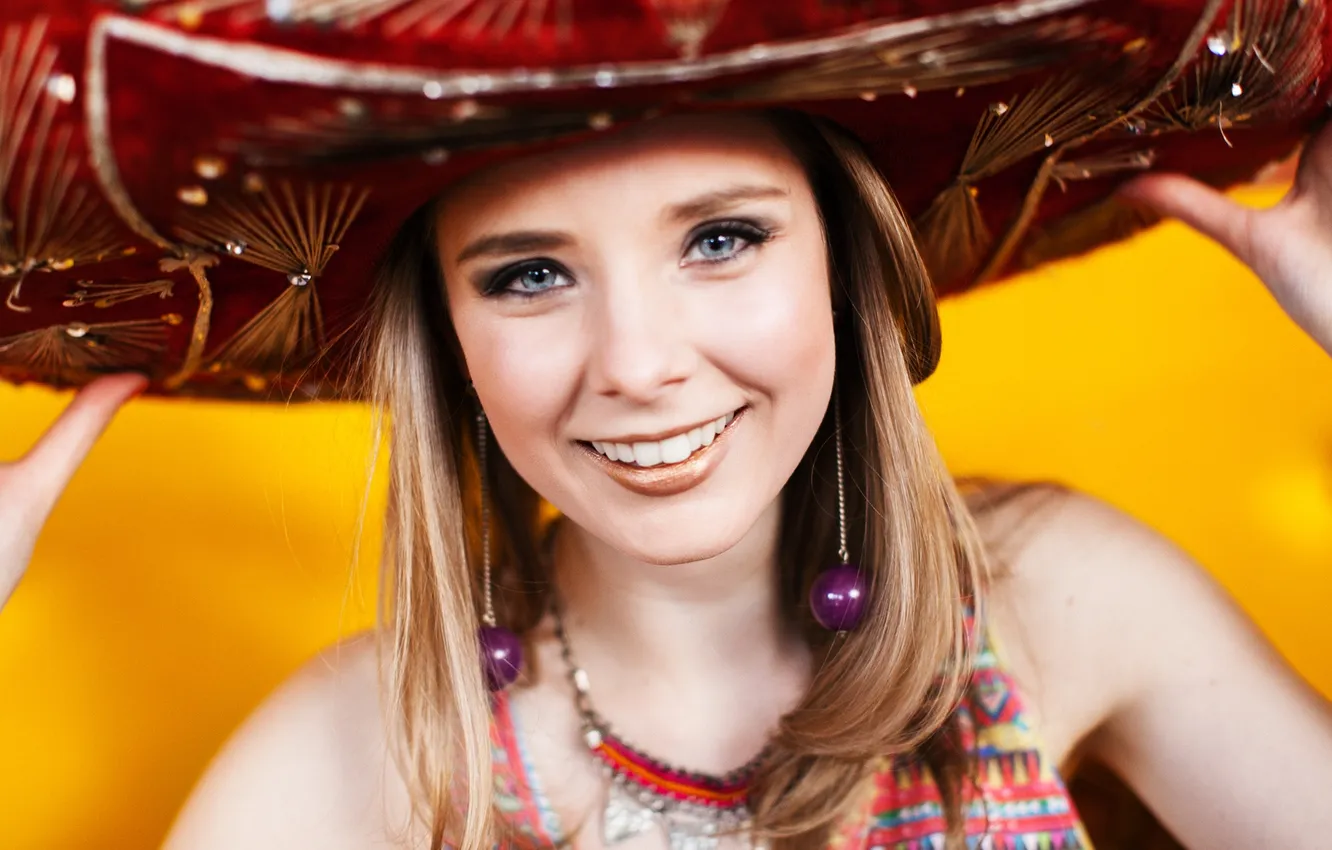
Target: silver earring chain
x,y
842,552
488,617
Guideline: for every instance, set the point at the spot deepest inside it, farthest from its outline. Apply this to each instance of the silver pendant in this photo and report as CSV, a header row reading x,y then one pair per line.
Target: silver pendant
x,y
689,833
624,817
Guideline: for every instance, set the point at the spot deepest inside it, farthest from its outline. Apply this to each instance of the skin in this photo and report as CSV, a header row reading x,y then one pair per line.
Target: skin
x,y
643,341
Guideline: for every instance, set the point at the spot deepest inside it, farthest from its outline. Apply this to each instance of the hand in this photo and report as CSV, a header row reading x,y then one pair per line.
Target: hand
x,y
30,486
1288,246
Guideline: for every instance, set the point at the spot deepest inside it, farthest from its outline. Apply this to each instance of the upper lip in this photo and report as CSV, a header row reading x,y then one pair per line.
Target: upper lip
x,y
661,435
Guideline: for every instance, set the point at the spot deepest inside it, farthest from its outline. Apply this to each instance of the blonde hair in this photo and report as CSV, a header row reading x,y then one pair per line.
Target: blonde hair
x,y
889,688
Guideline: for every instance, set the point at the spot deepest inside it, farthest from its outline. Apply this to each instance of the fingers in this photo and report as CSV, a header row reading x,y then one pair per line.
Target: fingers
x,y
1201,207
51,463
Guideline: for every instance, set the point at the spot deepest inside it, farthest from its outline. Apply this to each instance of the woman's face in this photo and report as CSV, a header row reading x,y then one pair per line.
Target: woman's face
x,y
648,324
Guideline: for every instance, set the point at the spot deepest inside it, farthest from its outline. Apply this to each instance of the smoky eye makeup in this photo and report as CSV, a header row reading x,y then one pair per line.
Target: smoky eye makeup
x,y
524,279
723,240
709,244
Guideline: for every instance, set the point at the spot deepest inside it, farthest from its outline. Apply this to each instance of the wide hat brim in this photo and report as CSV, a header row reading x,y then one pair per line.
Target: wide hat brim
x,y
200,189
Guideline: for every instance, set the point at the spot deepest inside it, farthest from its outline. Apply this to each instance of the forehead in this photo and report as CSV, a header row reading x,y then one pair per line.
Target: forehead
x,y
665,157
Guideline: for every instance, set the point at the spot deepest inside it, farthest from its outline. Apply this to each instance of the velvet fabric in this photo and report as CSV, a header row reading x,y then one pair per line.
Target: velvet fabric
x,y
200,189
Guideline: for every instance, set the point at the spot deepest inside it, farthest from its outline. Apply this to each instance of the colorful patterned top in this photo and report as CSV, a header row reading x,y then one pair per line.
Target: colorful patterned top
x,y
1023,803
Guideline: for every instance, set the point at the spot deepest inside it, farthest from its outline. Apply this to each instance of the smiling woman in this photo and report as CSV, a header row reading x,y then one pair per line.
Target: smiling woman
x,y
643,345
611,297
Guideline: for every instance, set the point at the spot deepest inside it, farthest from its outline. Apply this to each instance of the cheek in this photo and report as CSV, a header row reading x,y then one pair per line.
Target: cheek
x,y
776,331
525,373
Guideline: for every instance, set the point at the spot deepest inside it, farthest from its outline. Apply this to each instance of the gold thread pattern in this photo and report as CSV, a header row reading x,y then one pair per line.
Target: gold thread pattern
x,y
1102,165
929,61
294,233
276,229
111,293
48,221
954,236
688,22
280,65
339,134
422,18
1266,59
1081,231
287,334
75,352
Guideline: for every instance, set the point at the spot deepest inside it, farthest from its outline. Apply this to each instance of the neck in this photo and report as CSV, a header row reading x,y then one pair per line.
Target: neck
x,y
630,615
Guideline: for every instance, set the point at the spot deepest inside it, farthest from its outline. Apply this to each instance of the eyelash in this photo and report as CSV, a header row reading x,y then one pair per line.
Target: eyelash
x,y
750,233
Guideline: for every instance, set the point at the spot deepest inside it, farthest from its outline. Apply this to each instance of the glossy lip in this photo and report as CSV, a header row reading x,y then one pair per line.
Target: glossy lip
x,y
668,479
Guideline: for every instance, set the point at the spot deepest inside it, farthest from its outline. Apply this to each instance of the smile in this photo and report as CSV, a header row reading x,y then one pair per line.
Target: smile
x,y
669,465
673,449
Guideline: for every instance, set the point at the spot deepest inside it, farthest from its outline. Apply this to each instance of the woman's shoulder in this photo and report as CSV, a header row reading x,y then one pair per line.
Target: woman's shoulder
x,y
1082,597
310,767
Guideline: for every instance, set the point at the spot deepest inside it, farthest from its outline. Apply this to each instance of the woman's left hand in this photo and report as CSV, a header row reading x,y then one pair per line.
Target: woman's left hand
x,y
1289,245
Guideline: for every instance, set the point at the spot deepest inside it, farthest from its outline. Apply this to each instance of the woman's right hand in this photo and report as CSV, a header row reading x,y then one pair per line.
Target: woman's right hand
x,y
30,486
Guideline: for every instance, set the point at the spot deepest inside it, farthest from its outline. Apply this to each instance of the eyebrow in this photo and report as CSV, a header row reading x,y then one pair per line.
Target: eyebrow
x,y
518,242
703,206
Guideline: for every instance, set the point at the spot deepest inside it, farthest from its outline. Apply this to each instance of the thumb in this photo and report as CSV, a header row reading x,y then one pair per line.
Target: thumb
x,y
51,463
1201,207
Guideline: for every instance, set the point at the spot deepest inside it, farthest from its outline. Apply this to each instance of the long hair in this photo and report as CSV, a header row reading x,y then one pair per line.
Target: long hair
x,y
888,689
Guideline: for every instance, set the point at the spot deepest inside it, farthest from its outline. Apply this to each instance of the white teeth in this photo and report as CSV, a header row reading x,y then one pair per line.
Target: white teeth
x,y
670,450
674,449
647,454
695,436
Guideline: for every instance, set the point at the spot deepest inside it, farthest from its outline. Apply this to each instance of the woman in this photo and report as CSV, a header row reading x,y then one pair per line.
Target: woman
x,y
678,336
593,342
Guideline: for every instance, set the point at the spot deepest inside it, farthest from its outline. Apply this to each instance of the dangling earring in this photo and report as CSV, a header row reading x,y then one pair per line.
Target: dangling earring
x,y
837,598
501,650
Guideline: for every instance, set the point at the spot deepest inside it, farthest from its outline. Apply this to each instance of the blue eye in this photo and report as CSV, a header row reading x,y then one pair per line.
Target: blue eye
x,y
722,242
530,278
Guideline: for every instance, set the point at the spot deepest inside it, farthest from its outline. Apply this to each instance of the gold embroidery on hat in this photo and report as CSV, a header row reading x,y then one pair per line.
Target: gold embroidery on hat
x,y
954,237
1080,231
1266,58
932,60
495,18
293,234
688,23
194,262
279,230
328,135
492,18
75,352
110,293
1102,165
281,65
999,258
285,335
55,223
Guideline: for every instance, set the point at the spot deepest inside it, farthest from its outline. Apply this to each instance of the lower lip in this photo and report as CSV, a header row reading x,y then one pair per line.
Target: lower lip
x,y
668,479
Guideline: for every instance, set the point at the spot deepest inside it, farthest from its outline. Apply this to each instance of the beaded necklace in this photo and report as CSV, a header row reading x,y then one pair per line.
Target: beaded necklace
x,y
693,809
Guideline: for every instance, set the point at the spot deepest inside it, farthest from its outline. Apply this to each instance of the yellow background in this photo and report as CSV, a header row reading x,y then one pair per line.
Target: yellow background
x,y
204,550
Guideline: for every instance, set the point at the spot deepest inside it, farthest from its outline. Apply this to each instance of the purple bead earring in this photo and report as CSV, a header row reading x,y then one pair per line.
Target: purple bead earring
x,y
837,598
501,650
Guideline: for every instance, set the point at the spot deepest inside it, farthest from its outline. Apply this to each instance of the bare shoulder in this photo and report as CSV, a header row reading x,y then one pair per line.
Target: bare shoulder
x,y
1129,652
1083,598
309,768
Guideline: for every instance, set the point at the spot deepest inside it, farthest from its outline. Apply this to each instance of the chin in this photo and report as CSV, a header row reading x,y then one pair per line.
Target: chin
x,y
683,534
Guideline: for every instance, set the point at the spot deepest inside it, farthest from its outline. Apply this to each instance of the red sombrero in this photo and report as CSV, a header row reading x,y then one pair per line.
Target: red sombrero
x,y
199,189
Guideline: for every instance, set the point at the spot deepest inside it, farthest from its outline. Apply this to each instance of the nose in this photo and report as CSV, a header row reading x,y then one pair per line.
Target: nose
x,y
640,350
